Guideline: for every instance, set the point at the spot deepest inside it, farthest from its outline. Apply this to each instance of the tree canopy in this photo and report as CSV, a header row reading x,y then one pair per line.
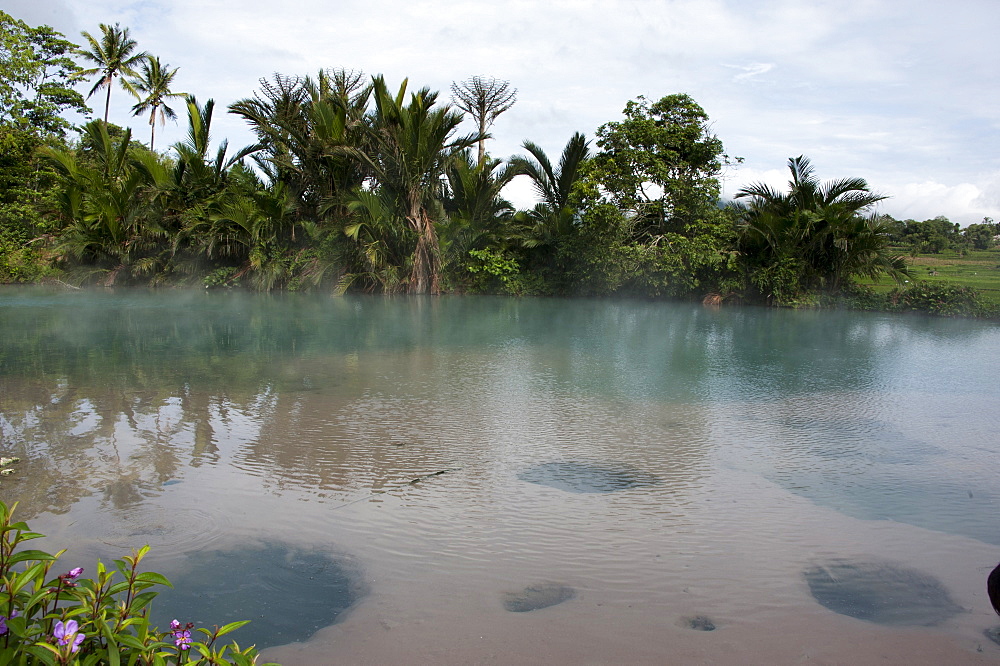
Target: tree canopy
x,y
355,185
36,77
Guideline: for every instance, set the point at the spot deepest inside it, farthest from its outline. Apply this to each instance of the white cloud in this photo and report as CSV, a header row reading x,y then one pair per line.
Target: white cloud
x,y
752,70
963,202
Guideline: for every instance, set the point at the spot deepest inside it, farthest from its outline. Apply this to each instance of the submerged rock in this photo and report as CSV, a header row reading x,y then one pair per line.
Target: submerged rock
x,y
535,597
578,477
286,593
881,592
993,633
699,623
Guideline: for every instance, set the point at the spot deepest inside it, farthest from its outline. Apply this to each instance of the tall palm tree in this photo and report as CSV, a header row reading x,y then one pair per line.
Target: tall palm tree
x,y
413,146
153,89
114,57
823,232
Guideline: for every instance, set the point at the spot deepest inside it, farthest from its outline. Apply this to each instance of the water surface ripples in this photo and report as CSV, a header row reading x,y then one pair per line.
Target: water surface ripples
x,y
440,447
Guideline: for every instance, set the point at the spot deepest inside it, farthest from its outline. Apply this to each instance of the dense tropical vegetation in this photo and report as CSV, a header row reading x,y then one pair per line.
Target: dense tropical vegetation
x,y
356,183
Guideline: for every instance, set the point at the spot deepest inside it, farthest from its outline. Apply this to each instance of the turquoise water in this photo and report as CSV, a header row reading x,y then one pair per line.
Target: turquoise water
x,y
400,435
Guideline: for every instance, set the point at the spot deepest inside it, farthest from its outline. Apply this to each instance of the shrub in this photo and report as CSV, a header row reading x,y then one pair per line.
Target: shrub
x,y
938,298
69,619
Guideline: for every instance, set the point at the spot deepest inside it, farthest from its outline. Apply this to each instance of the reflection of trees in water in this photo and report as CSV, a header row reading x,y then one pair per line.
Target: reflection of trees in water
x,y
117,393
75,442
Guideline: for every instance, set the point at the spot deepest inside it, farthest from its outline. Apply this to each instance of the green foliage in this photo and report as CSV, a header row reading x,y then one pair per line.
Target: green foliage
x,y
930,236
413,145
36,74
982,236
220,277
545,227
478,216
814,237
68,619
110,219
493,271
940,299
660,164
20,262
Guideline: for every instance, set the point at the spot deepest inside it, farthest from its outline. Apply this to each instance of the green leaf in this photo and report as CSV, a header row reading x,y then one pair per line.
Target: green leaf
x,y
25,555
25,577
232,626
28,535
142,600
122,567
153,577
130,642
113,658
43,652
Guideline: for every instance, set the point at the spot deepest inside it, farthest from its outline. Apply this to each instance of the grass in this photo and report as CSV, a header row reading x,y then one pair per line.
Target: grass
x,y
979,269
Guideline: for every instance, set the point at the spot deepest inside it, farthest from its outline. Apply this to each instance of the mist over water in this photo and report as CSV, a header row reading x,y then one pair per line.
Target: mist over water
x,y
451,452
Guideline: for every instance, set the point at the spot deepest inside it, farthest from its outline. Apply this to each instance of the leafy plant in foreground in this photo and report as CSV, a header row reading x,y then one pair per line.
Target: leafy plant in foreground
x,y
68,619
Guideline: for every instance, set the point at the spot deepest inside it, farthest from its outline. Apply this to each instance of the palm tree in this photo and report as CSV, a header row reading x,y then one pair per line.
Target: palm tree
x,y
824,233
413,146
311,137
114,56
153,88
552,217
478,215
105,202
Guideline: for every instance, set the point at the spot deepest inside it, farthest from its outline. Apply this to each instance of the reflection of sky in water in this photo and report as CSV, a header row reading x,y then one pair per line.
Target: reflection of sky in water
x,y
203,420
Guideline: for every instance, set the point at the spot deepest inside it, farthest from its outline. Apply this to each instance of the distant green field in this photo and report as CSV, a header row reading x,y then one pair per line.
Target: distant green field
x,y
979,269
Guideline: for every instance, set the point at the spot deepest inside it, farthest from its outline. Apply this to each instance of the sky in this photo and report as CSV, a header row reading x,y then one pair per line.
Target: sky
x,y
902,93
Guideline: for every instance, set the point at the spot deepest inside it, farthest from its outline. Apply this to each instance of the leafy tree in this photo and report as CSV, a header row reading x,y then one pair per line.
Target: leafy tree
x,y
660,164
384,239
214,197
104,204
651,195
484,99
815,236
114,56
36,72
934,235
478,216
152,87
982,236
